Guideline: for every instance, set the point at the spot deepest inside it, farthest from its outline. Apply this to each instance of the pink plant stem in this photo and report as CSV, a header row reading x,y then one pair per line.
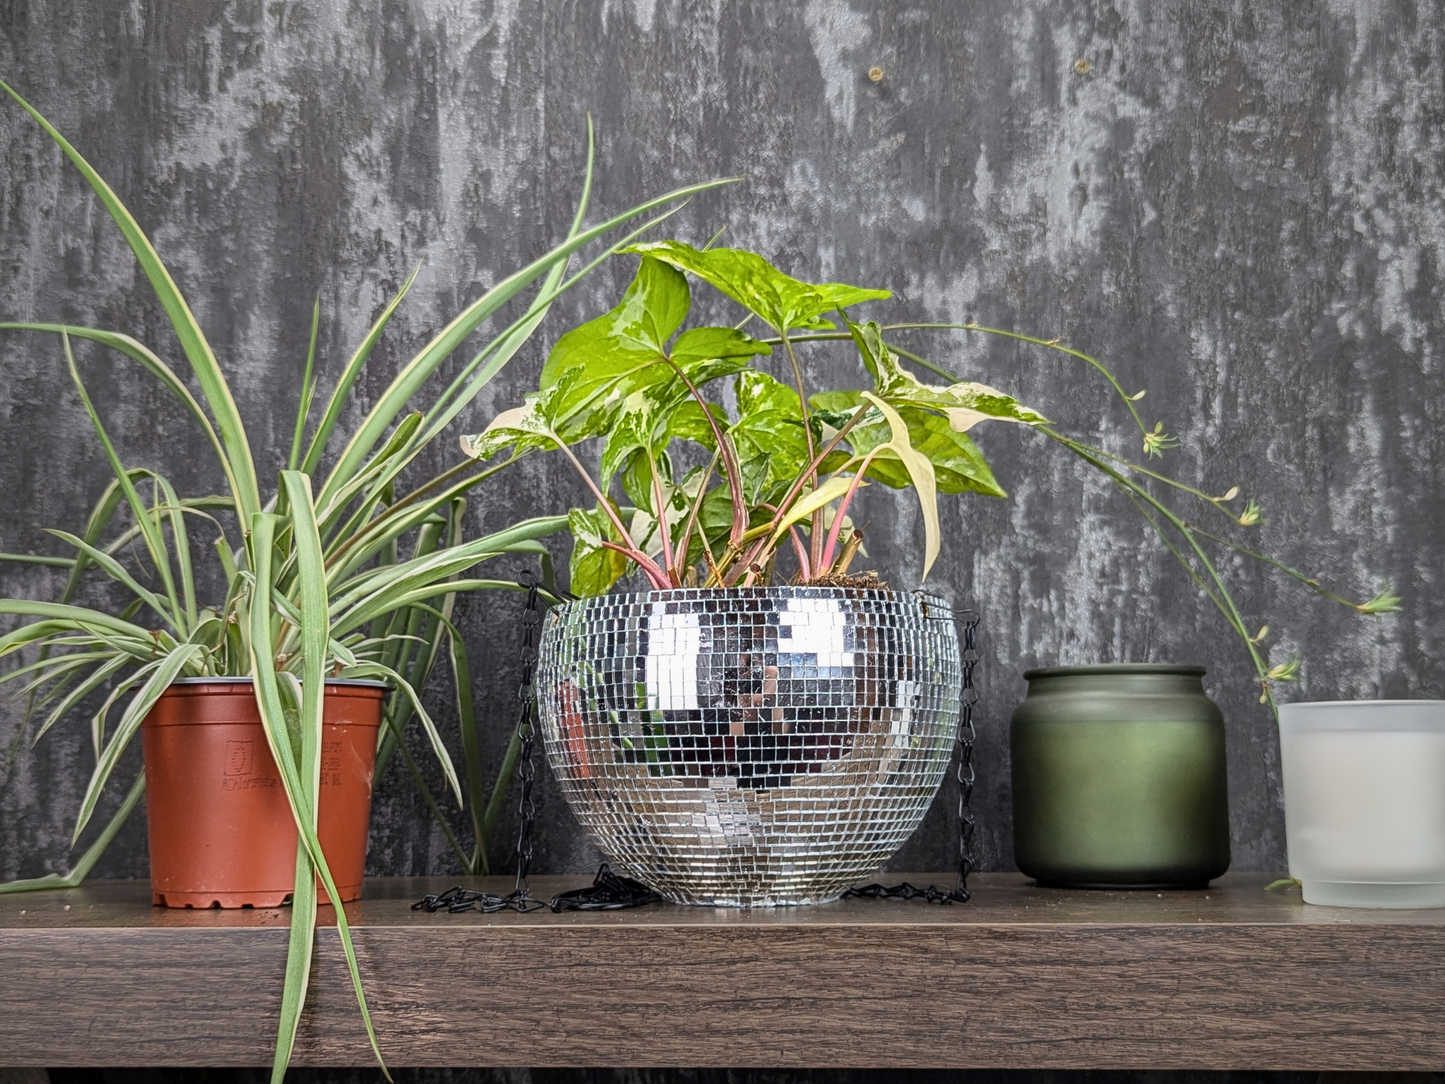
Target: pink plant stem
x,y
803,564
644,562
731,468
812,468
663,528
832,545
816,535
686,542
760,547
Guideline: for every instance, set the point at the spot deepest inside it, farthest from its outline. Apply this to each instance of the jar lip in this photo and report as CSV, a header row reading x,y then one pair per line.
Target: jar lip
x,y
1092,669
1347,705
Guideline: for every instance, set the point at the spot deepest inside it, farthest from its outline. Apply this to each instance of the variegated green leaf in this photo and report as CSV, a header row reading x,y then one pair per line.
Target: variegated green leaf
x,y
593,567
964,404
783,302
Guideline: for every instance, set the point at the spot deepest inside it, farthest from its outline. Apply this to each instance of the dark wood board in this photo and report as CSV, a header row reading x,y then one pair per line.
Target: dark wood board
x,y
1231,977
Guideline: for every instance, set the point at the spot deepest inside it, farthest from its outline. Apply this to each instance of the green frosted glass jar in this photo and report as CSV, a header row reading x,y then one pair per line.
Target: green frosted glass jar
x,y
1119,777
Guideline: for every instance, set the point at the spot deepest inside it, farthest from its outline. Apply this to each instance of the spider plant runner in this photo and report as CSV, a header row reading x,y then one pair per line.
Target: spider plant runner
x,y
317,585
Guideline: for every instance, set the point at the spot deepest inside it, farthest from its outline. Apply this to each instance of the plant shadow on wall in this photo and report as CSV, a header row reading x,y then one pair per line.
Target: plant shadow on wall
x,y
777,474
345,571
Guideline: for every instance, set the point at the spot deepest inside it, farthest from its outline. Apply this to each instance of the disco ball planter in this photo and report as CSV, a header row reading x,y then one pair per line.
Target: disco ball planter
x,y
750,746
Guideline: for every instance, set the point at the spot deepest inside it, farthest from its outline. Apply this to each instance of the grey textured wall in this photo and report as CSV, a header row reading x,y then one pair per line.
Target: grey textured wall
x,y
1238,205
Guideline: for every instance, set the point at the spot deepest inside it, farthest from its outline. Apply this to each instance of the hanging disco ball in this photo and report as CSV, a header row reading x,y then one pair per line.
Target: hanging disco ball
x,y
750,746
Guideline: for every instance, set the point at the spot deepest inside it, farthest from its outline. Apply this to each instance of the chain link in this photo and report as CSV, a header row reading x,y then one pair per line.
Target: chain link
x,y
520,899
968,697
526,765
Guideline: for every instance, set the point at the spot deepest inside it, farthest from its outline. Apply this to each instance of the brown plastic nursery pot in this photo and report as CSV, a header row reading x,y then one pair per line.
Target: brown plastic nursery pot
x,y
221,831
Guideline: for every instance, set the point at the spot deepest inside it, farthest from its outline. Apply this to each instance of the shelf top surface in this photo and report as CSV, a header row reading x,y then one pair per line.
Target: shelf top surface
x,y
1000,899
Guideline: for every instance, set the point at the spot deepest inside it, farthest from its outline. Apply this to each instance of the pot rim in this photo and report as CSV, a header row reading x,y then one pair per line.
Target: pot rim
x,y
1100,668
785,590
369,683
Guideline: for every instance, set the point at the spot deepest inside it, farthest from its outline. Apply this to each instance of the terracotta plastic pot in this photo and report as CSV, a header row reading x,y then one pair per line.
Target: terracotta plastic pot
x,y
221,832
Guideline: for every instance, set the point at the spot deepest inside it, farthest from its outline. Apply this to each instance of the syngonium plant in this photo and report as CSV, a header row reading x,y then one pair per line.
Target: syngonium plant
x,y
316,581
782,465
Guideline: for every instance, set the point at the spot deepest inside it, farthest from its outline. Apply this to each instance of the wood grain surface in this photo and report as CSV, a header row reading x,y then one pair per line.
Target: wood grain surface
x,y
1231,977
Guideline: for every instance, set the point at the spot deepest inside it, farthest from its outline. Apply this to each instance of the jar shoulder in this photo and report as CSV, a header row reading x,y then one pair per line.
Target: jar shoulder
x,y
1104,706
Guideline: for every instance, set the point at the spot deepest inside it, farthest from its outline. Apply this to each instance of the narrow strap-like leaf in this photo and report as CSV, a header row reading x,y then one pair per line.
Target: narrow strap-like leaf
x,y
79,616
425,363
82,868
188,331
377,670
150,531
181,543
98,677
147,359
302,799
116,571
308,389
353,369
160,680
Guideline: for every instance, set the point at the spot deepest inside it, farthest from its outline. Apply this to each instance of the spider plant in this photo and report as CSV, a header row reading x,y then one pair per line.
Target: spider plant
x,y
316,581
784,465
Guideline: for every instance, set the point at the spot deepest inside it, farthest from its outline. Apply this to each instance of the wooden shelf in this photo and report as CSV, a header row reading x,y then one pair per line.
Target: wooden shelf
x,y
1021,977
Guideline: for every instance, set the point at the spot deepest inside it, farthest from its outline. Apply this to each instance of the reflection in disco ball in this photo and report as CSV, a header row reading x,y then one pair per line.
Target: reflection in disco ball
x,y
754,745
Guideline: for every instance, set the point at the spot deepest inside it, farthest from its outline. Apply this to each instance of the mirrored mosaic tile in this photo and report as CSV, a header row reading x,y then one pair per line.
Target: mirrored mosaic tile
x,y
753,746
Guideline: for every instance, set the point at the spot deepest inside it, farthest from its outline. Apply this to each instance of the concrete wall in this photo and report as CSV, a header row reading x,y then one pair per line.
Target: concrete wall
x,y
1237,205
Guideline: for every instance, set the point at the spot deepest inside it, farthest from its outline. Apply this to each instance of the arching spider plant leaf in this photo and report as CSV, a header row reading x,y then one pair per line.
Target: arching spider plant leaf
x,y
188,331
349,375
147,359
416,372
150,529
78,872
166,671
302,790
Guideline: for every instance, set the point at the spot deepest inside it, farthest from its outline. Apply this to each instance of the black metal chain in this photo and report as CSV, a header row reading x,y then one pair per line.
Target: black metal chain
x,y
520,899
968,697
611,892
526,729
608,891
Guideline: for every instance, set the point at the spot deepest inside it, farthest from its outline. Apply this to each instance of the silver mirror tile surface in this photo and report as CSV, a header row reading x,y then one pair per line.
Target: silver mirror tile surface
x,y
754,745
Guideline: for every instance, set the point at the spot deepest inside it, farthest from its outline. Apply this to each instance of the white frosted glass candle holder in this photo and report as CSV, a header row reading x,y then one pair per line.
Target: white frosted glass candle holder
x,y
1364,801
